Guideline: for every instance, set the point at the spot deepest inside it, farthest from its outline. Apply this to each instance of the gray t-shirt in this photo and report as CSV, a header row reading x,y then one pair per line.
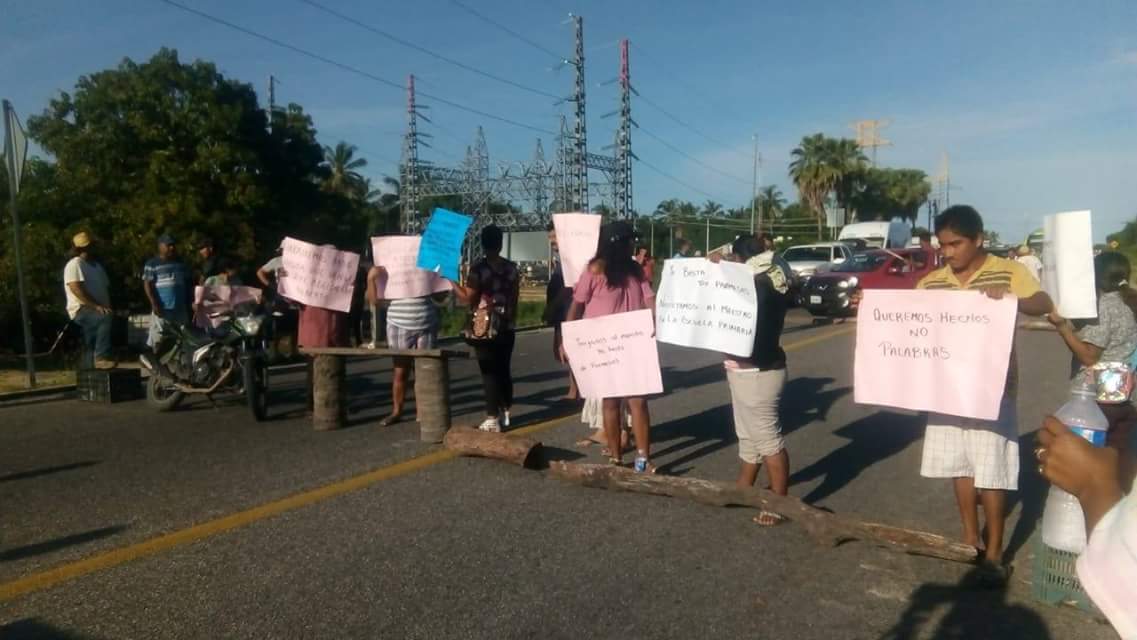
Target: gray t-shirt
x,y
1114,330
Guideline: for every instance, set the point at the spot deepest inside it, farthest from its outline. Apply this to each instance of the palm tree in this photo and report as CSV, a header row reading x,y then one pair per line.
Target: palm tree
x,y
712,209
344,177
667,208
770,202
850,162
813,174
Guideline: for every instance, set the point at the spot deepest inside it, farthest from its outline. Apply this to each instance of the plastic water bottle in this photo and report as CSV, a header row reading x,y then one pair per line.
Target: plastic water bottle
x,y
1063,524
640,465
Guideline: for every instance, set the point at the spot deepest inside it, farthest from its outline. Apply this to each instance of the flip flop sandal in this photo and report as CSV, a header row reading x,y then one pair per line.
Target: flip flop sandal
x,y
769,519
390,420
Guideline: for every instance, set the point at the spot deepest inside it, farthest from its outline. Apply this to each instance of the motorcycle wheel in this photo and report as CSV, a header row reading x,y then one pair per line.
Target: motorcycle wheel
x,y
256,392
160,396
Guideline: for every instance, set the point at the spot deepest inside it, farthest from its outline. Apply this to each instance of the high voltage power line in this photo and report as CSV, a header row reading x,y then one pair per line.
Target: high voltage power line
x,y
491,21
691,157
424,50
678,181
351,69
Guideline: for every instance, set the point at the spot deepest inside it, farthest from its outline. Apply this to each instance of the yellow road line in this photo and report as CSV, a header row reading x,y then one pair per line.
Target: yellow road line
x,y
109,559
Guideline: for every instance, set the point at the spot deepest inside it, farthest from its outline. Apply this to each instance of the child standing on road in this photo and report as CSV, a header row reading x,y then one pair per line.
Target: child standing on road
x,y
981,457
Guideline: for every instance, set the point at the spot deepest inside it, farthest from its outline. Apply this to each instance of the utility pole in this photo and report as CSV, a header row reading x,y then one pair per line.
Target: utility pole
x,y
14,152
580,140
271,100
754,186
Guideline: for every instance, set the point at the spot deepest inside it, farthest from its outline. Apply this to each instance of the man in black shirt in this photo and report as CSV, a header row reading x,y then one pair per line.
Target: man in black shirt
x,y
756,382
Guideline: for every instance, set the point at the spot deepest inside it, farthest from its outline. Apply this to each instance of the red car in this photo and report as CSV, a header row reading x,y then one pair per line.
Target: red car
x,y
827,294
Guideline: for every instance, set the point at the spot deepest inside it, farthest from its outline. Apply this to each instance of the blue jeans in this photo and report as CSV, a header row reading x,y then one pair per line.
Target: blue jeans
x,y
96,333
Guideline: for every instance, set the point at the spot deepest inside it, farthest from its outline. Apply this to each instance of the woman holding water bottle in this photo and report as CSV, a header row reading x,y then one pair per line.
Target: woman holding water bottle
x,y
1104,348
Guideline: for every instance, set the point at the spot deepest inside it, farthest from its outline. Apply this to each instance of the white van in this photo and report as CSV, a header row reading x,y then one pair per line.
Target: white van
x,y
880,235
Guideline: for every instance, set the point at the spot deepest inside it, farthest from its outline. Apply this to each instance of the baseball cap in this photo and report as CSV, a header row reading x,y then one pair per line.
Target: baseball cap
x,y
166,238
81,240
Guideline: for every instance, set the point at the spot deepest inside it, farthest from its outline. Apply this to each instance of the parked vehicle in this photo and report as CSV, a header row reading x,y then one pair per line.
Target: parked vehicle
x,y
881,235
808,259
828,294
227,359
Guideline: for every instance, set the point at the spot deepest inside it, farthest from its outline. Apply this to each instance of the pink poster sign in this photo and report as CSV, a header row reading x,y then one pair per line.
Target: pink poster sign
x,y
318,276
614,356
577,237
397,256
940,351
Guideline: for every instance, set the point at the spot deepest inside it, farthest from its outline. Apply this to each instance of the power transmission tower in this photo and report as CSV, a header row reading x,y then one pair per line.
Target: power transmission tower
x,y
409,166
580,133
624,155
868,135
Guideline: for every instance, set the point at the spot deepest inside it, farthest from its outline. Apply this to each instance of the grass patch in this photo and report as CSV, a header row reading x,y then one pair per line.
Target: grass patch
x,y
529,313
51,371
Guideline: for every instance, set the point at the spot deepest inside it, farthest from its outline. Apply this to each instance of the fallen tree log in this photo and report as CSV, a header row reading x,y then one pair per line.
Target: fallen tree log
x,y
825,528
501,446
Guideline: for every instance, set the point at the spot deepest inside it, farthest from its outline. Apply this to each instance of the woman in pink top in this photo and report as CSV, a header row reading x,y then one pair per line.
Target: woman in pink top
x,y
615,283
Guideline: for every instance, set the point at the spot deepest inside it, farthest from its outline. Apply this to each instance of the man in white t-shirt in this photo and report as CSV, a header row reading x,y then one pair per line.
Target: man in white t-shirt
x,y
88,300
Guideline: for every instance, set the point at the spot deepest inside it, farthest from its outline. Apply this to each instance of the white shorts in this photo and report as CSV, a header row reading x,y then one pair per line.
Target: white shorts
x,y
987,451
754,397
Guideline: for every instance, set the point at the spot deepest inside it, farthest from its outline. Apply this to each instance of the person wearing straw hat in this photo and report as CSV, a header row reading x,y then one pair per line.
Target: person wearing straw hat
x,y
87,288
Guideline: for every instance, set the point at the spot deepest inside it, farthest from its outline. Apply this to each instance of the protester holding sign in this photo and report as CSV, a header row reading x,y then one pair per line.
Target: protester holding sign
x,y
982,457
412,323
1104,348
558,297
493,286
615,283
756,381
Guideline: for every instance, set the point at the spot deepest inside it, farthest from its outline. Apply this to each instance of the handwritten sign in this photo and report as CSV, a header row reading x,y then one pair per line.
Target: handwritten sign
x,y
317,276
577,237
1068,264
705,305
614,356
398,255
941,351
441,247
210,302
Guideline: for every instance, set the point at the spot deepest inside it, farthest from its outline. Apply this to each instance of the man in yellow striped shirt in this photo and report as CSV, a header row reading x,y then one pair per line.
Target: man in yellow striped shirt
x,y
981,457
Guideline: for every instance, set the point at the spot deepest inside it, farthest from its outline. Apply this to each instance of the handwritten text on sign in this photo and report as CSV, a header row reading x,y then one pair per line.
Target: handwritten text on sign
x,y
397,256
577,237
614,356
441,247
707,306
940,351
318,276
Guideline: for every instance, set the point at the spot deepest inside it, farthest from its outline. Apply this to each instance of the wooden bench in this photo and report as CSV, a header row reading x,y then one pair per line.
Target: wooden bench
x,y
432,385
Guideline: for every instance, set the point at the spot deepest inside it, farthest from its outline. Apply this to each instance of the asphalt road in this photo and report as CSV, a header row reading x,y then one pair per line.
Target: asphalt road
x,y
118,522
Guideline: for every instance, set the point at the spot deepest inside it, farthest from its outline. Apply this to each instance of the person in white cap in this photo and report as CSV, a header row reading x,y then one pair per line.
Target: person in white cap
x,y
87,288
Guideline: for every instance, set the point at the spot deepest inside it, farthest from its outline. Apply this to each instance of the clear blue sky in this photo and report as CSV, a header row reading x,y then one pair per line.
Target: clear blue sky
x,y
1035,103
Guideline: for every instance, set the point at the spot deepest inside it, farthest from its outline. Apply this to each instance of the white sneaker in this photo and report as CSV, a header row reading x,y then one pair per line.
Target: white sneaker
x,y
491,425
505,418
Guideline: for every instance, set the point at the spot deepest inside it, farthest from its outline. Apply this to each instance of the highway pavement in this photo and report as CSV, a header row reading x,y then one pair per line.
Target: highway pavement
x,y
119,522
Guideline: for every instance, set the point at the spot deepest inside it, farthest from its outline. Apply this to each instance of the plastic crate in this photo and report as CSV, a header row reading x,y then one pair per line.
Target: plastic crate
x,y
114,385
1056,579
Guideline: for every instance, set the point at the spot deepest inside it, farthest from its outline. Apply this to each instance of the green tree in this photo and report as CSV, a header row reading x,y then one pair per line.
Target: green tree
x,y
712,209
343,170
814,174
885,194
770,202
165,146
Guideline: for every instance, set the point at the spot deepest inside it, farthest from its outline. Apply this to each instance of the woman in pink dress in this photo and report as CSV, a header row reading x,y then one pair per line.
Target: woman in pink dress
x,y
615,283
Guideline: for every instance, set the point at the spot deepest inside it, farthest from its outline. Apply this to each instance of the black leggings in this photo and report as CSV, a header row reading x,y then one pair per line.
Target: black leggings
x,y
494,362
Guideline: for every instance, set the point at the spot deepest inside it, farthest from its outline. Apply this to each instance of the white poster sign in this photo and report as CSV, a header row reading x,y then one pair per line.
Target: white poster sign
x,y
1068,264
705,305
